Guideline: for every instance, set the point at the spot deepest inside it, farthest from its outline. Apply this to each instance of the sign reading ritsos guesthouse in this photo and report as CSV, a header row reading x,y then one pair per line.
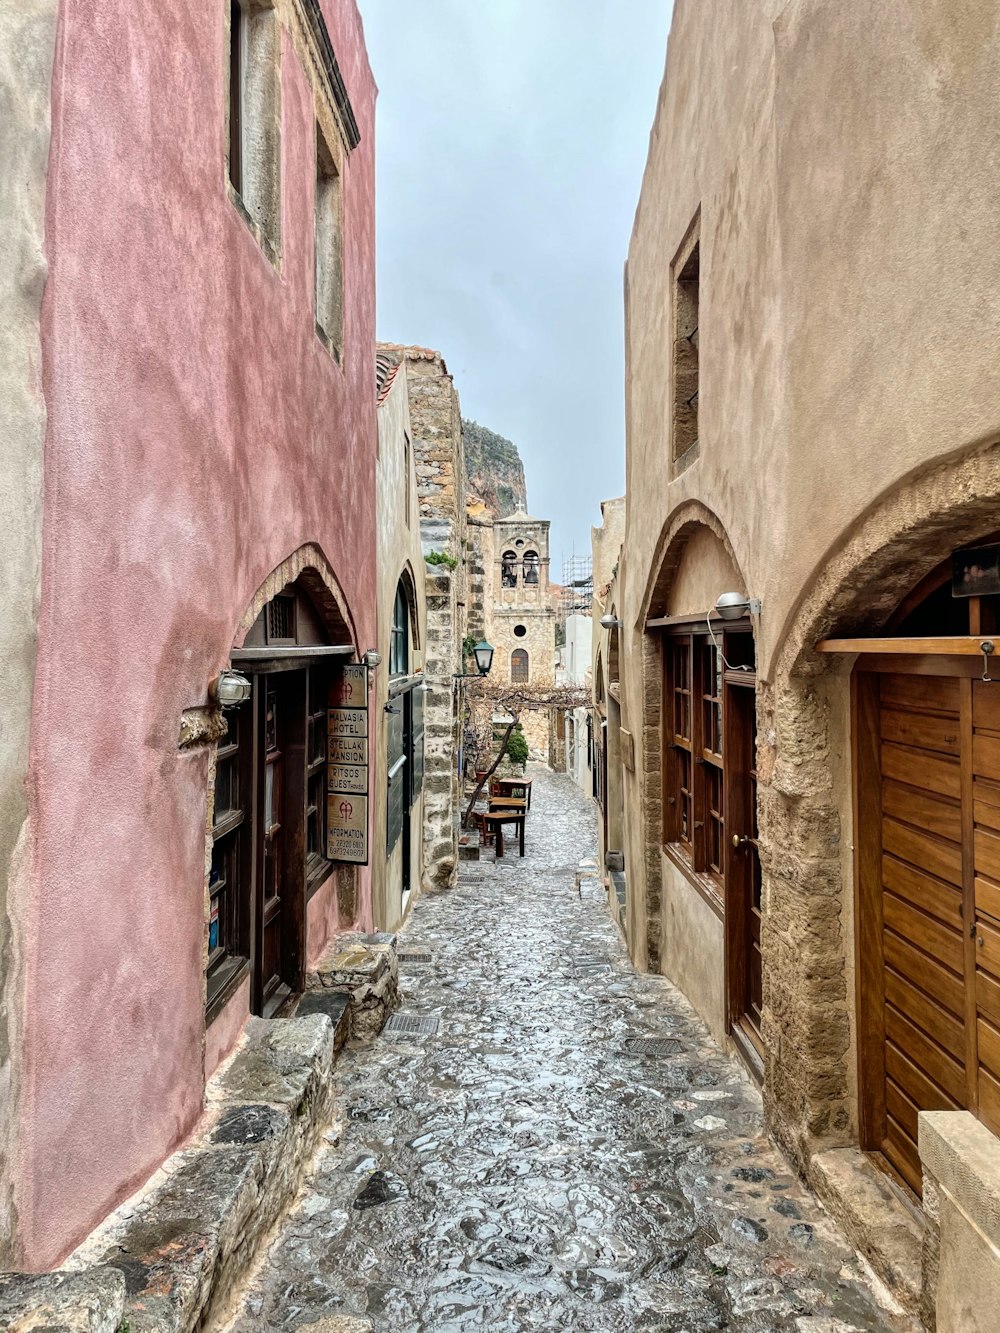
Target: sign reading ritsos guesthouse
x,y
347,768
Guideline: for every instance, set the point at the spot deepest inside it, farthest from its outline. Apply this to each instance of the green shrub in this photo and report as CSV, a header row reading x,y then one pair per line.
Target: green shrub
x,y
517,746
441,558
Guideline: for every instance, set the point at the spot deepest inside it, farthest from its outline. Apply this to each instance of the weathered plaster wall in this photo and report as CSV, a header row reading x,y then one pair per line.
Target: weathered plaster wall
x,y
27,46
692,947
400,555
705,570
198,433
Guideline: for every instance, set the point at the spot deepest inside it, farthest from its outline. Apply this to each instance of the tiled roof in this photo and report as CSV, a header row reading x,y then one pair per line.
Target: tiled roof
x,y
385,373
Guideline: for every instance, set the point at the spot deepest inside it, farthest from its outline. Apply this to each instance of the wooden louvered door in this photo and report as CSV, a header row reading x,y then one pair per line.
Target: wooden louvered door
x,y
985,823
928,834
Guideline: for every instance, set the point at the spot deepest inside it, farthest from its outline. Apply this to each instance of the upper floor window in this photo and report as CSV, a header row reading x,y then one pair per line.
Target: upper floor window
x,y
254,152
508,570
329,249
519,667
399,639
685,350
531,566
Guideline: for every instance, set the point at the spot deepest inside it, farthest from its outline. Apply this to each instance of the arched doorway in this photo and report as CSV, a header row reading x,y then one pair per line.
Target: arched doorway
x,y
927,776
269,838
404,753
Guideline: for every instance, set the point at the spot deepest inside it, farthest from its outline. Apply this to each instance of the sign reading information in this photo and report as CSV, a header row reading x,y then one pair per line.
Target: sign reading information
x,y
347,769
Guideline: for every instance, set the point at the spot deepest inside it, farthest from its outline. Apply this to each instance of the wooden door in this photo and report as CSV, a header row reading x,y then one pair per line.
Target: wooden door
x,y
279,899
273,836
916,863
743,876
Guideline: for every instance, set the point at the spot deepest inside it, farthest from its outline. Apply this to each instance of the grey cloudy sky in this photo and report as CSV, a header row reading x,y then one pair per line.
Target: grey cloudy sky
x,y
512,136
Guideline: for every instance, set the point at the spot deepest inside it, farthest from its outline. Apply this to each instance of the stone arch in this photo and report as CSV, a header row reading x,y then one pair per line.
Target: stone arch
x,y
680,528
408,580
675,534
806,783
599,677
311,566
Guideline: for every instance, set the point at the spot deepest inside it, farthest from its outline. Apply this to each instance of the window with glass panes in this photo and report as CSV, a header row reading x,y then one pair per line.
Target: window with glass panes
x,y
399,636
226,947
694,758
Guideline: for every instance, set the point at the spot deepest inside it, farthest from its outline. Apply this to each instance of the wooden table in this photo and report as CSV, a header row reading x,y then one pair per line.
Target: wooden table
x,y
494,822
508,803
518,788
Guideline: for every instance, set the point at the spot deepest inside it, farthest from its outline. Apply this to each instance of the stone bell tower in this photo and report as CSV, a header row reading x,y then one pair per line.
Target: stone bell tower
x,y
522,622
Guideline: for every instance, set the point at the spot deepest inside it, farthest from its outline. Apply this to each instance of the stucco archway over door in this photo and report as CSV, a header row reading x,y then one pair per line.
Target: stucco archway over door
x,y
701,892
269,858
808,828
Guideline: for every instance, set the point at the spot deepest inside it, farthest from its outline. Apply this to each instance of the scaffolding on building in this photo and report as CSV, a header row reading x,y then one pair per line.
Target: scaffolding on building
x,y
577,586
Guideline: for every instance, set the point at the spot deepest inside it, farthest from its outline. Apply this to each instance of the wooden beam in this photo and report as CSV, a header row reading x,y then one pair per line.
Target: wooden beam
x,y
962,645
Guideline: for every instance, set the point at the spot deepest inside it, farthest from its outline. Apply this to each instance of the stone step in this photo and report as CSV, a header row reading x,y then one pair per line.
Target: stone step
x,y
167,1258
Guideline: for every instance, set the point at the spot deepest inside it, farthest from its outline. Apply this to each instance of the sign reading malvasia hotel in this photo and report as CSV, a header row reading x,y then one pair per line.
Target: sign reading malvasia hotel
x,y
347,769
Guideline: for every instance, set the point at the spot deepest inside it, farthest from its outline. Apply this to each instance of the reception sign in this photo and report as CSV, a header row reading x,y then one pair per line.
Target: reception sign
x,y
347,769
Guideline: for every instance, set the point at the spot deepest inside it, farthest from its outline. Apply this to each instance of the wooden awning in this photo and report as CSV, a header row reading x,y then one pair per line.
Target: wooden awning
x,y
959,645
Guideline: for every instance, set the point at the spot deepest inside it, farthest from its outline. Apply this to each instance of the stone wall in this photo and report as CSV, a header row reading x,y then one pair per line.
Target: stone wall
x,y
436,422
442,792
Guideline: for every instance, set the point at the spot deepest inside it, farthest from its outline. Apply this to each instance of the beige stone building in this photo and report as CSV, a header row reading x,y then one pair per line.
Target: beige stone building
x,y
398,699
439,470
810,835
606,546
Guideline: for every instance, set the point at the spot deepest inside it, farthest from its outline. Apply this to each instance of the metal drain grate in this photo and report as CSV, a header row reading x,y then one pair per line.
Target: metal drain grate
x,y
652,1045
411,1025
471,879
414,956
590,963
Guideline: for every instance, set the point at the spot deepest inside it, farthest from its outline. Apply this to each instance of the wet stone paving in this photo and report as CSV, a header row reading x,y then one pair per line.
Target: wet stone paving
x,y
529,1164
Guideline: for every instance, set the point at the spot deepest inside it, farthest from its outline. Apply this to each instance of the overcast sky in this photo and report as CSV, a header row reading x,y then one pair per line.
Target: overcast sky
x,y
512,136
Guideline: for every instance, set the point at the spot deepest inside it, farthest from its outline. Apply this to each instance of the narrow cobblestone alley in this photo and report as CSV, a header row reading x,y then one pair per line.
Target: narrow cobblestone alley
x,y
528,1165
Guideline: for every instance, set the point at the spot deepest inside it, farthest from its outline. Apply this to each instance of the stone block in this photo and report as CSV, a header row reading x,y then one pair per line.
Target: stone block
x,y
961,1165
63,1302
874,1215
365,969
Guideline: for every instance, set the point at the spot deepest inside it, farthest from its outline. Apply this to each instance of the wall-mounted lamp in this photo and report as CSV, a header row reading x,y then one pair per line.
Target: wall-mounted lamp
x,y
483,653
610,622
372,659
229,690
733,605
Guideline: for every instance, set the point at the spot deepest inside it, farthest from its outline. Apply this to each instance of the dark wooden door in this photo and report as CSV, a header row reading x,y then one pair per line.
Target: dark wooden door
x,y
279,945
743,876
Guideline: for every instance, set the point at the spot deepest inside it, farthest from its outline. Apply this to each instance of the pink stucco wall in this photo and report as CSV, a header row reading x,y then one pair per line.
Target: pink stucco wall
x,y
198,434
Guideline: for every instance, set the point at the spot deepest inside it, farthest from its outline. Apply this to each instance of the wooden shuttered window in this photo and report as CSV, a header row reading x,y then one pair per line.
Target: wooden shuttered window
x,y
417,743
396,771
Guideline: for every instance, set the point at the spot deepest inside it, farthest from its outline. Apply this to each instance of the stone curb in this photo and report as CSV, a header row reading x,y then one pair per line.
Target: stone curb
x,y
168,1257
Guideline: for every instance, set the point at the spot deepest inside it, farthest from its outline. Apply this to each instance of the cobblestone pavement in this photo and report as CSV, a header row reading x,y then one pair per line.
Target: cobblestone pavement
x,y
522,1168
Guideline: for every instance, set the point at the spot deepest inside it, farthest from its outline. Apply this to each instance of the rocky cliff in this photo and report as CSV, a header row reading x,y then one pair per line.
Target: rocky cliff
x,y
494,470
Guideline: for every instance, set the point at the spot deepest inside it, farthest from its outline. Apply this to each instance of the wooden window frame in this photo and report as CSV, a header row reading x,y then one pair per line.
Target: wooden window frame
x,y
328,247
703,858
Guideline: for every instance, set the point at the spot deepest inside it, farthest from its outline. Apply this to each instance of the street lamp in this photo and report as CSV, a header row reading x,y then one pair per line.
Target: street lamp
x,y
483,654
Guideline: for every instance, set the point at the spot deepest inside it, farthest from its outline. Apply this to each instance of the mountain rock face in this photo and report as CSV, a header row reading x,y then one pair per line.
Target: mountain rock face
x,y
494,470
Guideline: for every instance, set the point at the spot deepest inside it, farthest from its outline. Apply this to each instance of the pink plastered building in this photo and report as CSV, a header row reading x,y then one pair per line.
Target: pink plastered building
x,y
188,387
